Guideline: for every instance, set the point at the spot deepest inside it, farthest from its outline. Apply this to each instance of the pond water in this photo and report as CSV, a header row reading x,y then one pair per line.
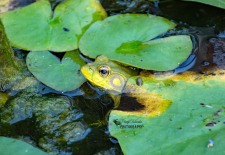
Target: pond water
x,y
52,128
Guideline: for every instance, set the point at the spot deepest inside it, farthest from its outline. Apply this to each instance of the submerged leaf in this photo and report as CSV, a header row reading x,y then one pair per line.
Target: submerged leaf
x,y
61,75
125,38
177,115
9,146
37,28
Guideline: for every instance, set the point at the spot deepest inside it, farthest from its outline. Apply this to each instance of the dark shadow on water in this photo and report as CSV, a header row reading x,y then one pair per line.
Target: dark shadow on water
x,y
128,103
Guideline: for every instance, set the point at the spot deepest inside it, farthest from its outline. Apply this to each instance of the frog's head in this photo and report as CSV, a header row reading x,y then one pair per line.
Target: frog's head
x,y
107,74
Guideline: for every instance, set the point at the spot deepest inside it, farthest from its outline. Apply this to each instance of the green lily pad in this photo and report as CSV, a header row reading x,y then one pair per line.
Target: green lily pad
x,y
193,121
37,28
216,3
9,146
127,38
61,75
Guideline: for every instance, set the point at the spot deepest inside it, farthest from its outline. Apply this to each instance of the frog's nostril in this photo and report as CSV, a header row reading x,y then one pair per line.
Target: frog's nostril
x,y
90,68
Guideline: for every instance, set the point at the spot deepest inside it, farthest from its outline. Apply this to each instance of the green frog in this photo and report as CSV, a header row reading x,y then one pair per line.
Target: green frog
x,y
109,75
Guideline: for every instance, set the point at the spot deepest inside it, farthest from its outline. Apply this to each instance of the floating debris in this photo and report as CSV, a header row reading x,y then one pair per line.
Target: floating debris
x,y
211,124
139,81
206,105
210,144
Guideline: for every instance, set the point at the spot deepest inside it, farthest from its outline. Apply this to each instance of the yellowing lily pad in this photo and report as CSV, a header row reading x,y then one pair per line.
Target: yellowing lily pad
x,y
61,75
37,28
130,39
9,146
193,122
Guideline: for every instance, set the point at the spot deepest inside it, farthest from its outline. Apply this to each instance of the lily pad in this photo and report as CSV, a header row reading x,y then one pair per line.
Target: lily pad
x,y
193,122
9,146
61,75
37,28
216,3
130,39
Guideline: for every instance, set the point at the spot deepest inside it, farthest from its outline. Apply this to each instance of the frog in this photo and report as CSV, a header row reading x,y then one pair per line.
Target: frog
x,y
109,75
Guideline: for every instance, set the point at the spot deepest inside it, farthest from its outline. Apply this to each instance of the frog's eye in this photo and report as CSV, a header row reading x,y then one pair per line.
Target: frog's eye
x,y
104,71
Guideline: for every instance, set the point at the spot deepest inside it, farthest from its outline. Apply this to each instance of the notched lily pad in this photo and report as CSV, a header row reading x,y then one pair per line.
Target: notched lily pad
x,y
37,28
61,75
130,39
194,121
12,146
